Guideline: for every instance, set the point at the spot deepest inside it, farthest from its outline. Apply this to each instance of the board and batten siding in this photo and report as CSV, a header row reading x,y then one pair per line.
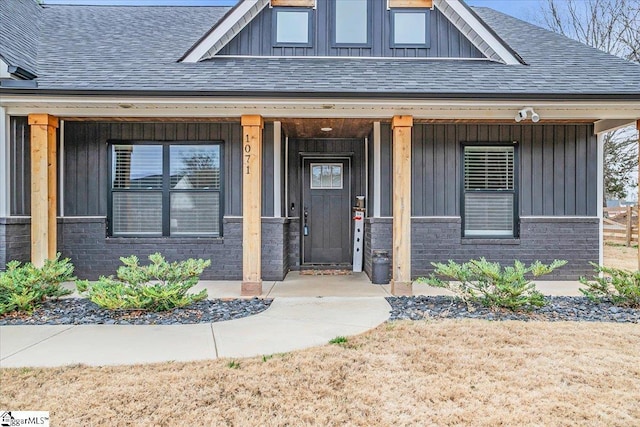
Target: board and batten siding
x,y
256,39
86,179
558,167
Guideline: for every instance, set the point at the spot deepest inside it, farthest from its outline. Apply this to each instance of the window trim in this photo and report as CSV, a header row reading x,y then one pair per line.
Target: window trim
x,y
333,27
516,189
274,26
427,38
165,190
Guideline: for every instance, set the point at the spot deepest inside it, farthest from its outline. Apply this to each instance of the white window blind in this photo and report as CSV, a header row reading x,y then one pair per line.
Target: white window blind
x,y
489,191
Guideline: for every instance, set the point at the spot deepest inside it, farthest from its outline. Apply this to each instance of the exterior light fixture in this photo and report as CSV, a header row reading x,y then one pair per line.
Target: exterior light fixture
x,y
523,114
327,129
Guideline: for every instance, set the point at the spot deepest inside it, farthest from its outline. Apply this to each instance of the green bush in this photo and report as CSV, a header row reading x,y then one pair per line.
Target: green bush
x,y
159,286
24,287
492,285
620,287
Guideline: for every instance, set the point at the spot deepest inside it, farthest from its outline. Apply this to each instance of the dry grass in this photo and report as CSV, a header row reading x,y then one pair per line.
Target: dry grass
x,y
421,373
618,256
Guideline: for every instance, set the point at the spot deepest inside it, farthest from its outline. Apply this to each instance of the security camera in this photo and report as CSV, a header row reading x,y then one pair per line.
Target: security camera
x,y
522,115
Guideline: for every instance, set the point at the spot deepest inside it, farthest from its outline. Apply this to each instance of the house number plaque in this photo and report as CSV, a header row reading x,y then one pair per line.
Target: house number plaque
x,y
247,154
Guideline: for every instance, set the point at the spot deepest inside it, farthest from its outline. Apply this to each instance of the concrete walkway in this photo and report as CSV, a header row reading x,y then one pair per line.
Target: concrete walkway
x,y
289,324
307,311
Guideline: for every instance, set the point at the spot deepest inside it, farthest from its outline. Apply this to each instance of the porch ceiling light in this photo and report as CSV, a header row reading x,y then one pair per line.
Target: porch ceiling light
x,y
326,129
522,115
125,105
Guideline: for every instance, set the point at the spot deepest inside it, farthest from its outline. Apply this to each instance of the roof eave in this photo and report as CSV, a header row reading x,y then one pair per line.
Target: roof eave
x,y
505,96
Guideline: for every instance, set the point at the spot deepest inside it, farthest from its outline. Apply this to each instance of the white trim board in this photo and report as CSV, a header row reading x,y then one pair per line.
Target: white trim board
x,y
4,163
225,30
277,169
476,31
600,198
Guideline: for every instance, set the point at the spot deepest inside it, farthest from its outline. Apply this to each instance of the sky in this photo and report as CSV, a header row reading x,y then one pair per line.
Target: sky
x,y
523,9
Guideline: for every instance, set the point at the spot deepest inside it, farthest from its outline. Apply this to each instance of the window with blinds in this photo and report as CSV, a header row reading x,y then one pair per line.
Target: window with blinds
x,y
489,202
162,189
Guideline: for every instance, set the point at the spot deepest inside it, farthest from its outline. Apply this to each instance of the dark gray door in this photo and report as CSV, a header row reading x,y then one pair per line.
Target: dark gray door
x,y
326,211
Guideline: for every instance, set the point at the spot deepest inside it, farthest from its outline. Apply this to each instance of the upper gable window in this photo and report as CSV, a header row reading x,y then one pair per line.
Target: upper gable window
x,y
410,28
351,20
292,26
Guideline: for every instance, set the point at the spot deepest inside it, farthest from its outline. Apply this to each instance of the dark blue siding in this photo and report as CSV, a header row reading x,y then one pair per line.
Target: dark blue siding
x,y
558,167
445,39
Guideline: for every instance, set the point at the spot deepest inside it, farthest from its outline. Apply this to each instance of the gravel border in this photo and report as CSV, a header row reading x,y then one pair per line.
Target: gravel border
x,y
558,309
81,311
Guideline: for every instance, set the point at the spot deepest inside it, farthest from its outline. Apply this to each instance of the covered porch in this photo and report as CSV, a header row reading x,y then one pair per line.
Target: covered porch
x,y
264,204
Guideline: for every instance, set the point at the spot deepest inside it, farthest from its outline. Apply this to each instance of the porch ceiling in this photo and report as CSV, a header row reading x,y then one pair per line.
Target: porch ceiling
x,y
340,128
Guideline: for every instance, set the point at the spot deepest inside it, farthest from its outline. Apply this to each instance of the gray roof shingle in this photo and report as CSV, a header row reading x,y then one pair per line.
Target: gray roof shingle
x,y
19,31
110,48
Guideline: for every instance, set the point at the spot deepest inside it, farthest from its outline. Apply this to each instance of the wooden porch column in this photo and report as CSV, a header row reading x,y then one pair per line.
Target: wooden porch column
x,y
251,205
638,202
43,187
401,275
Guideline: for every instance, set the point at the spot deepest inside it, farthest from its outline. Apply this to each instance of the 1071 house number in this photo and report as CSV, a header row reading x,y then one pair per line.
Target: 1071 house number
x,y
247,154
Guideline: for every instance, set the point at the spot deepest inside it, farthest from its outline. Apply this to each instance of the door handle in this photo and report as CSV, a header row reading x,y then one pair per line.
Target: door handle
x,y
305,226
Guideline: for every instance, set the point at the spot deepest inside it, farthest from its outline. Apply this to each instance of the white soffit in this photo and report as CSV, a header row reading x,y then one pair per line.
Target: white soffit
x,y
476,31
4,70
225,30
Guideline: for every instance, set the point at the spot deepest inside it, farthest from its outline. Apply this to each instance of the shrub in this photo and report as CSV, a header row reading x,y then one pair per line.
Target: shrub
x,y
159,286
492,285
25,287
620,287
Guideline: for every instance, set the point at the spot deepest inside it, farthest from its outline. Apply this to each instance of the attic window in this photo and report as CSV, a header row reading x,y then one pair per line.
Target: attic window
x,y
292,26
351,20
410,28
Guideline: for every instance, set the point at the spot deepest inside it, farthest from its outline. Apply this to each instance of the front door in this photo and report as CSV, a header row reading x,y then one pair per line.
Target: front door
x,y
326,211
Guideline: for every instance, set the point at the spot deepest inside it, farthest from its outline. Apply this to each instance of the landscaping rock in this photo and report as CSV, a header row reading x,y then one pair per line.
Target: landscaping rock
x,y
80,311
558,309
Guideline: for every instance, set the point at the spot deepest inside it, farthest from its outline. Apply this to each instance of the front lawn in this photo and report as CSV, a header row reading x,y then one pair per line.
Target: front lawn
x,y
449,372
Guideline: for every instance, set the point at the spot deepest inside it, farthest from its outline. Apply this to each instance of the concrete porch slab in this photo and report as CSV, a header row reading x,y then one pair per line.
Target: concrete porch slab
x,y
350,285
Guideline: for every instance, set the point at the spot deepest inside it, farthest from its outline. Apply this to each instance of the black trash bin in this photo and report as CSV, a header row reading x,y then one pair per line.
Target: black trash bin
x,y
381,268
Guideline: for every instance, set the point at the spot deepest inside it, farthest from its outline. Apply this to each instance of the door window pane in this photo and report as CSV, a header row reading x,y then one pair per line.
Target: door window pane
x,y
292,27
326,176
351,21
410,28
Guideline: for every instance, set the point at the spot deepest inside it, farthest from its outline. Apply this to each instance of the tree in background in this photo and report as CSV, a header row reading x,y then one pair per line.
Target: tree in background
x,y
614,27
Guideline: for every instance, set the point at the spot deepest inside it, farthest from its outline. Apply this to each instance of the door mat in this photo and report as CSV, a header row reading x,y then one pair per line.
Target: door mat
x,y
325,272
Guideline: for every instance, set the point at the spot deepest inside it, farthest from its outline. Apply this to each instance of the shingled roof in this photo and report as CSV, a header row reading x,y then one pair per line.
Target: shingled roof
x,y
136,49
19,32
